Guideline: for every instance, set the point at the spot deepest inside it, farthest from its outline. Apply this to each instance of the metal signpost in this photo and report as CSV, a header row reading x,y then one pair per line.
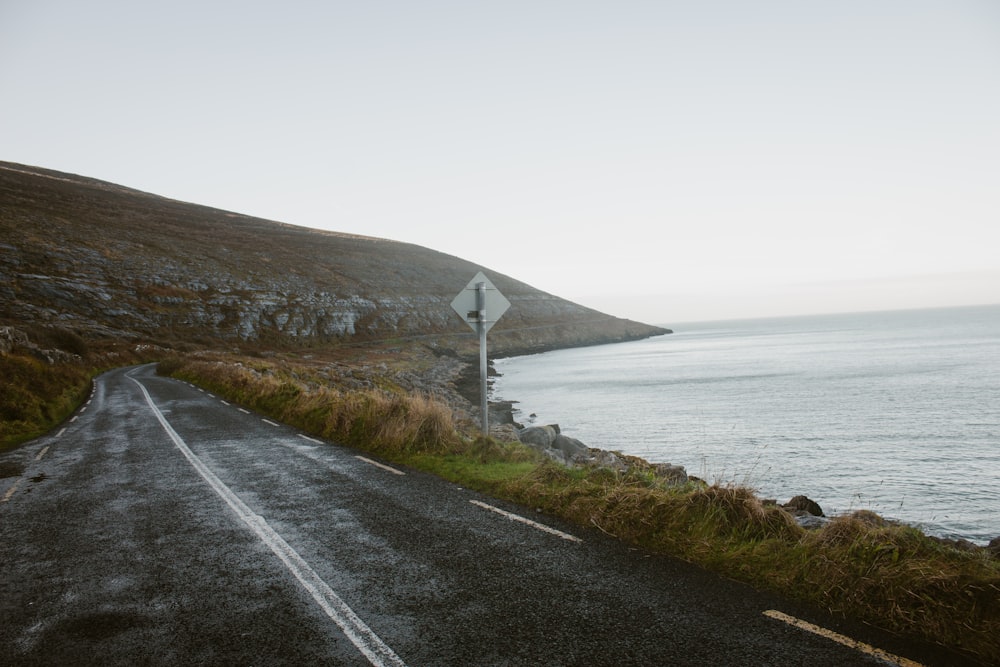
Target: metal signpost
x,y
481,304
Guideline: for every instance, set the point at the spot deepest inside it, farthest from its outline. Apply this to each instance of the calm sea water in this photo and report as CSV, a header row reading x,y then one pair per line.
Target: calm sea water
x,y
895,412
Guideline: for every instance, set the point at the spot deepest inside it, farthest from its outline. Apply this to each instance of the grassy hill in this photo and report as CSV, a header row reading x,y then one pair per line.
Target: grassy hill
x,y
106,262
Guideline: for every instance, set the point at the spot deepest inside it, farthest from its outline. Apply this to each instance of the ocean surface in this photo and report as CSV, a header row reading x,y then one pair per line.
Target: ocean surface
x,y
894,412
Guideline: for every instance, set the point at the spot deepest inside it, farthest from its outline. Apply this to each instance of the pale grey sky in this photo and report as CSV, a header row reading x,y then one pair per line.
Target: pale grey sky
x,y
664,161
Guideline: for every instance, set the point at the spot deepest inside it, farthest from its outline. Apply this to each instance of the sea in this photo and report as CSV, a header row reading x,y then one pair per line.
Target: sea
x,y
894,412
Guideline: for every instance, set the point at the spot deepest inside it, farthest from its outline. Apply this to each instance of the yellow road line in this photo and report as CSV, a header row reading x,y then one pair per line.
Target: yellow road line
x,y
841,639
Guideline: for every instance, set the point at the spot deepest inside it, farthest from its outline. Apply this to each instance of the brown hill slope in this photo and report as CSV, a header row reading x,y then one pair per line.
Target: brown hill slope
x,y
105,261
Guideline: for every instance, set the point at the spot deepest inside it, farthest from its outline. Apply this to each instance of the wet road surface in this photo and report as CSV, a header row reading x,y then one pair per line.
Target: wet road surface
x,y
164,526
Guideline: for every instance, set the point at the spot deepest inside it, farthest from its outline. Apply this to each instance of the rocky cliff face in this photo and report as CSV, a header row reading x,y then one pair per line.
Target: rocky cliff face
x,y
106,261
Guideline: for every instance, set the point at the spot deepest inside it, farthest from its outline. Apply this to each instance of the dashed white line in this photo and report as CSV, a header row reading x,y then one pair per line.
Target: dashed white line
x,y
363,638
61,432
246,412
223,402
211,395
42,453
268,421
306,437
841,639
75,417
11,490
533,524
381,465
83,409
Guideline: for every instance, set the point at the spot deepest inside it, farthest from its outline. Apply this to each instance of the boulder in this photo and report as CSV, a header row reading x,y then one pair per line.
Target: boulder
x,y
11,338
605,459
671,474
571,448
803,504
539,436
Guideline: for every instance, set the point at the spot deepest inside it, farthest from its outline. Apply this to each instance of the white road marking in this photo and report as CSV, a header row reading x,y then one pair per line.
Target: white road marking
x,y
83,409
75,417
223,402
42,453
211,395
268,421
11,490
363,638
841,639
61,432
246,412
306,437
381,465
533,524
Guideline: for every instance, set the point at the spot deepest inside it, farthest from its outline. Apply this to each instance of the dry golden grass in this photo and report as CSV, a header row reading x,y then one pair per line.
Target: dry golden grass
x,y
380,420
37,395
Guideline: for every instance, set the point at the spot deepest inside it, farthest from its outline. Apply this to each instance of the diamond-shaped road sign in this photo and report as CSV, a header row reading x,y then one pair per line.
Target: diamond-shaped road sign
x,y
480,303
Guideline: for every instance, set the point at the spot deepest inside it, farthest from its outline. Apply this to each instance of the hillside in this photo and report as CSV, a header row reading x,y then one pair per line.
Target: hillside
x,y
107,262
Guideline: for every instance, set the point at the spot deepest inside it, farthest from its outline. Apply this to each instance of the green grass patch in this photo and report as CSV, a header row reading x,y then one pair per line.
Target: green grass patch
x,y
486,477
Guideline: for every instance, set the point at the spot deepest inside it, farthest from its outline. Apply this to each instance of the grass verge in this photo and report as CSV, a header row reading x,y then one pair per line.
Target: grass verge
x,y
860,566
37,395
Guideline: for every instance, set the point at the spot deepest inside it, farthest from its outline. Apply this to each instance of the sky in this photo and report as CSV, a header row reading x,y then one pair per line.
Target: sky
x,y
657,160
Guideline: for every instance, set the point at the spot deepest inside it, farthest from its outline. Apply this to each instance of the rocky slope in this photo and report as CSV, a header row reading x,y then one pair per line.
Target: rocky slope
x,y
105,261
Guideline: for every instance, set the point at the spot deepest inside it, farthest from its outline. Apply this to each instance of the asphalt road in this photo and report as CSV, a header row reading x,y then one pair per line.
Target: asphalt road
x,y
162,525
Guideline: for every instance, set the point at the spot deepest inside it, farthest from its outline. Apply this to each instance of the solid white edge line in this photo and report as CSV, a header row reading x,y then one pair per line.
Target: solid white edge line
x,y
363,638
306,437
533,524
380,465
841,639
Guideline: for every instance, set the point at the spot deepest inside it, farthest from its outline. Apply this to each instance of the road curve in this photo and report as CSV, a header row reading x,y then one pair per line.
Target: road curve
x,y
164,526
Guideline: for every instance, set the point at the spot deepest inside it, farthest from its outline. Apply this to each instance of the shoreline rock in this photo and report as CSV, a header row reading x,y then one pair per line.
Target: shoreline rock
x,y
550,441
806,512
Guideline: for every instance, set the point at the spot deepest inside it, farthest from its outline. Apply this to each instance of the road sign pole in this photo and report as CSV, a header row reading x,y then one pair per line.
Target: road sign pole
x,y
483,403
472,304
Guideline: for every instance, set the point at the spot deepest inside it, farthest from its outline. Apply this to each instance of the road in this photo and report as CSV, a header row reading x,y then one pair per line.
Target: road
x,y
164,526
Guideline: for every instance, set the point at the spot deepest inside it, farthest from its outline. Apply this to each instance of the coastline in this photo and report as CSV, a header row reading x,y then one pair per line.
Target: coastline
x,y
778,453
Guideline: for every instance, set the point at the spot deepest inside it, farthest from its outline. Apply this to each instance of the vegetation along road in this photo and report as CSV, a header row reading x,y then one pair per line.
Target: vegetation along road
x,y
162,525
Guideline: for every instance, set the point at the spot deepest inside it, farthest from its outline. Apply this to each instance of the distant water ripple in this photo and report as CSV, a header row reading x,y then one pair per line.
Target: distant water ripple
x,y
895,412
